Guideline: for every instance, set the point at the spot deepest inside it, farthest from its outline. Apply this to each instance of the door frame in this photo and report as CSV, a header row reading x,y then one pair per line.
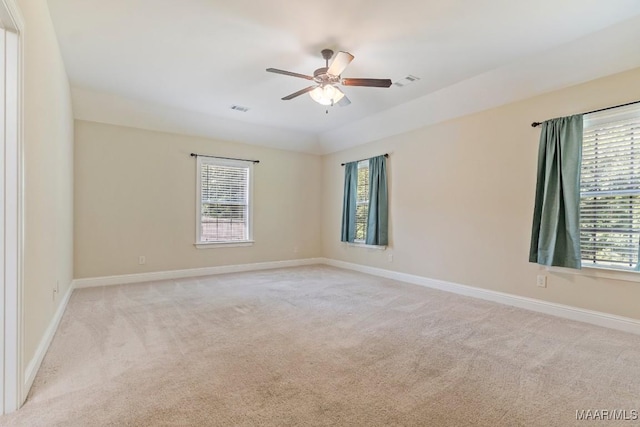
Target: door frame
x,y
12,207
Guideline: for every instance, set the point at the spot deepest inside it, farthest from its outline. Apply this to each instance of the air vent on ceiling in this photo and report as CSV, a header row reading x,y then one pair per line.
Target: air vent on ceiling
x,y
240,108
406,81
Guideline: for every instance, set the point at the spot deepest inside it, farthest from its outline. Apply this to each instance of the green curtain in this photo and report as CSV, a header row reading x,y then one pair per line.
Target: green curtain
x,y
555,236
378,216
349,202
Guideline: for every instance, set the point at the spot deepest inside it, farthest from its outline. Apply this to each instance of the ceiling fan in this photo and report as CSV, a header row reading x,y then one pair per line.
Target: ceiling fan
x,y
325,90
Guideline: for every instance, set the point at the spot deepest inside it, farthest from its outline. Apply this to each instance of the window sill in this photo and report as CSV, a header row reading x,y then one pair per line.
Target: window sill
x,y
218,245
364,245
599,272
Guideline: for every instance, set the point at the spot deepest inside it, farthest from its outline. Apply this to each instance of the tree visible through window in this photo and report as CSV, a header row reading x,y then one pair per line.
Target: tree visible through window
x,y
224,198
362,201
610,189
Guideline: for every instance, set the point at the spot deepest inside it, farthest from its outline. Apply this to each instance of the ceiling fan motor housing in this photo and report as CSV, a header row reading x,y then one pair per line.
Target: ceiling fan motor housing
x,y
320,76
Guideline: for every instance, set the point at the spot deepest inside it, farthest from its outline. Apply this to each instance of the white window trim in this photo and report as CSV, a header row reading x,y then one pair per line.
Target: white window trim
x,y
217,245
358,244
223,244
598,272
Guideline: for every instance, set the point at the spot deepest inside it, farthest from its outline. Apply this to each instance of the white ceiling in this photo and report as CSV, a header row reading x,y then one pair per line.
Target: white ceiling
x,y
178,65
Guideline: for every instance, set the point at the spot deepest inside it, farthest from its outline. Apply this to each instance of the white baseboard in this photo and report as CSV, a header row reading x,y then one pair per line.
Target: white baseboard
x,y
36,361
598,318
192,272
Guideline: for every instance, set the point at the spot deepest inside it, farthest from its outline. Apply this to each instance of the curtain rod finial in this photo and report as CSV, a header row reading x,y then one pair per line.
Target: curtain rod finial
x,y
535,124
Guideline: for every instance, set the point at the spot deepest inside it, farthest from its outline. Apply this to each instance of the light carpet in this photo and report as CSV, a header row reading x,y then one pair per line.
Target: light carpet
x,y
322,346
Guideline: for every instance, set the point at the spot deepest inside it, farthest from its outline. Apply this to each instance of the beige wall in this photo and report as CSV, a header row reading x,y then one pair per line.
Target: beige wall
x,y
48,163
135,194
461,200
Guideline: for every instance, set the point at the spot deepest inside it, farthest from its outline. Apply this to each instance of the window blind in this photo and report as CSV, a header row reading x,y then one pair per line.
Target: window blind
x,y
362,200
224,203
610,189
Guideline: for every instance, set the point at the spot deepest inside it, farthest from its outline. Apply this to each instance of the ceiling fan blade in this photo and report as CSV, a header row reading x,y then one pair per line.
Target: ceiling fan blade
x,y
344,101
289,73
298,93
367,82
339,63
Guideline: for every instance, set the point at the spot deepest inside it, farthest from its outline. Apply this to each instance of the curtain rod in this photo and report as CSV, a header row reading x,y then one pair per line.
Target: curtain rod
x,y
536,124
385,154
226,158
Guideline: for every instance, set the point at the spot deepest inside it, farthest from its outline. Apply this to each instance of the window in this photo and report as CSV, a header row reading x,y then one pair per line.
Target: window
x,y
365,217
224,201
362,201
610,189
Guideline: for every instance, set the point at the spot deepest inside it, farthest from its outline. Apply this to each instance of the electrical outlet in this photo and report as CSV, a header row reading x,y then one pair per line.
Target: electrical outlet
x,y
56,288
295,249
390,257
142,260
541,281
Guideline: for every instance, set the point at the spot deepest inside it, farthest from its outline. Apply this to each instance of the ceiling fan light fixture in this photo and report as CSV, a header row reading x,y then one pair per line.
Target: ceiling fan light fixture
x,y
326,95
